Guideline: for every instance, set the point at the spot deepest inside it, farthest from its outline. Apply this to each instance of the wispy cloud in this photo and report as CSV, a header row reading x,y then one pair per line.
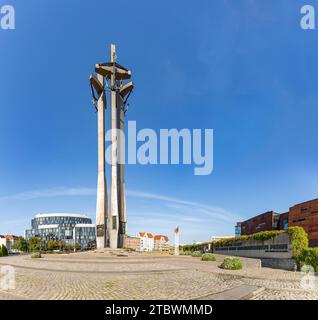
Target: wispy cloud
x,y
191,209
195,207
197,220
50,193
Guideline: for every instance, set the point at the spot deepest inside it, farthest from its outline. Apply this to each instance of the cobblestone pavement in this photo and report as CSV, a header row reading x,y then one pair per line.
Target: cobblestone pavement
x,y
105,275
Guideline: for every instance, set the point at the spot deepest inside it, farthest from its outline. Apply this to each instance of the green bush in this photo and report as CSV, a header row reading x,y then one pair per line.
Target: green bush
x,y
299,241
208,257
4,251
309,257
232,264
34,244
196,254
36,255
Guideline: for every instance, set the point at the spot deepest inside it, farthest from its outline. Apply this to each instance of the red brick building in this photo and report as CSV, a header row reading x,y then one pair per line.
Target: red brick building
x,y
262,222
304,214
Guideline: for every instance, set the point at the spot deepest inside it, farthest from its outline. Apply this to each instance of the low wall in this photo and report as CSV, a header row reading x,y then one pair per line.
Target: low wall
x,y
275,253
285,264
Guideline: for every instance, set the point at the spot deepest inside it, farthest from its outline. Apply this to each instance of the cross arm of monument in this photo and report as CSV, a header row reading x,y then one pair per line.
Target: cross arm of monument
x,y
106,70
126,89
97,88
96,84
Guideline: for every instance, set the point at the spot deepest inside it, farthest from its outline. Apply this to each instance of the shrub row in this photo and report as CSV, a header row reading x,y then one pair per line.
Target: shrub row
x,y
228,263
298,238
259,236
185,253
196,247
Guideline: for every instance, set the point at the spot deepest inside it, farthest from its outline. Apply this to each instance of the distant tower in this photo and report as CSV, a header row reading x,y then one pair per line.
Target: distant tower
x,y
115,223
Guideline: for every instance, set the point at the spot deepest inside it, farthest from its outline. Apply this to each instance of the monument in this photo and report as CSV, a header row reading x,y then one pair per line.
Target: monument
x,y
111,222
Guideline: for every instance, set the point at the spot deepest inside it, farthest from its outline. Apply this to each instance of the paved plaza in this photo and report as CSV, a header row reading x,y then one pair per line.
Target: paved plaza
x,y
115,275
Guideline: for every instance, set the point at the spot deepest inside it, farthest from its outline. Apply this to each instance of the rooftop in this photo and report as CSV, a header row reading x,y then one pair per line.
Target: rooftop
x,y
159,236
71,215
144,234
11,237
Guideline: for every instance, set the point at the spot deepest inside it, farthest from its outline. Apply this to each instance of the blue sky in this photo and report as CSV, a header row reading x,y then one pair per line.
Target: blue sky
x,y
243,68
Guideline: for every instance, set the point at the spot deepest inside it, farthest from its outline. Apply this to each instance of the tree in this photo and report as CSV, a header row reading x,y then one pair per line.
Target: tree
x,y
21,245
4,251
1,255
34,244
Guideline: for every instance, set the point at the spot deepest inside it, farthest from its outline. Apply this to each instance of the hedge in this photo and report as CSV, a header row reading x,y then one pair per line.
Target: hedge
x,y
190,247
259,236
298,238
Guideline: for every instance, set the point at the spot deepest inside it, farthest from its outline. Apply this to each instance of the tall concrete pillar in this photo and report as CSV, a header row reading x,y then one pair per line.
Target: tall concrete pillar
x,y
102,203
113,228
121,171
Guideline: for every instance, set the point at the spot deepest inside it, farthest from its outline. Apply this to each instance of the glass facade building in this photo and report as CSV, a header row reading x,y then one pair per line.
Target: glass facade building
x,y
238,229
65,227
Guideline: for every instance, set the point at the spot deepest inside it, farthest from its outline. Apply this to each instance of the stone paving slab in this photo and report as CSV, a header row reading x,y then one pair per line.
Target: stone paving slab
x,y
238,293
103,276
